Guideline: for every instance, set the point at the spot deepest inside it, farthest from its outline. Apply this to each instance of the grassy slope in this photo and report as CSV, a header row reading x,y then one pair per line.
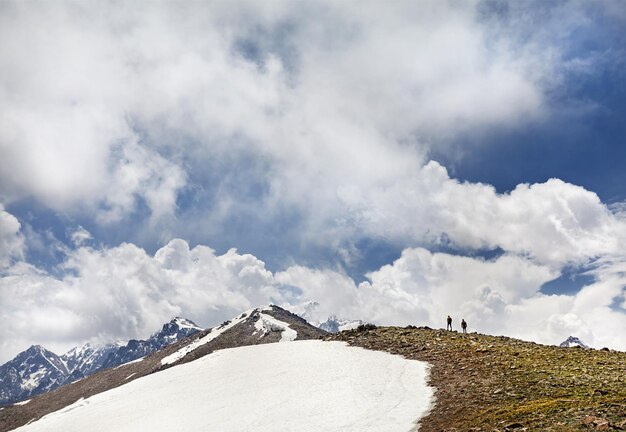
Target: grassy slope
x,y
488,383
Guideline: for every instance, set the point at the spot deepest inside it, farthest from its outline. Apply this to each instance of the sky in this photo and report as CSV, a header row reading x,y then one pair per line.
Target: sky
x,y
393,163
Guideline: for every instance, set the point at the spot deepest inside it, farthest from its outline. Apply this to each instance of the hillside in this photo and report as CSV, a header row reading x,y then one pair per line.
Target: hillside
x,y
488,383
304,386
253,327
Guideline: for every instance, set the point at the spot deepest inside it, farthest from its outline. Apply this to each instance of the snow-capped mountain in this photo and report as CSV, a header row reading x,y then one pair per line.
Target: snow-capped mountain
x,y
335,325
31,372
38,370
177,329
573,341
87,359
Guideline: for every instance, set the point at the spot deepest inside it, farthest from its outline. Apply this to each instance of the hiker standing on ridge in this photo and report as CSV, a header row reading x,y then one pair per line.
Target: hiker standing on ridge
x,y
464,326
449,326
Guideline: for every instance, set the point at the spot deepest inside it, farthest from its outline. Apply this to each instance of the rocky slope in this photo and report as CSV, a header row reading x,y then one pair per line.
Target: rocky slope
x,y
487,383
257,326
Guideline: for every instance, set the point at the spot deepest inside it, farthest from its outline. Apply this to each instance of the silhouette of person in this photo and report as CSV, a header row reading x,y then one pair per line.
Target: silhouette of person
x,y
464,326
449,326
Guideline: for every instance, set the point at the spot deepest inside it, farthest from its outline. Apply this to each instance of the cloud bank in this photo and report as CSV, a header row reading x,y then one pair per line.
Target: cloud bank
x,y
123,292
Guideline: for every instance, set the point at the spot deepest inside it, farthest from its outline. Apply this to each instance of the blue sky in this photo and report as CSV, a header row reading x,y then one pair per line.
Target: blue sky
x,y
393,163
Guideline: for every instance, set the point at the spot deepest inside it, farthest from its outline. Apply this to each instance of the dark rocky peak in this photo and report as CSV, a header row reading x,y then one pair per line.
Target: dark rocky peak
x,y
177,328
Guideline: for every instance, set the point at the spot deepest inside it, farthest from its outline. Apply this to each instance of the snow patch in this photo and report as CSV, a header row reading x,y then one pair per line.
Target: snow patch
x,y
129,376
267,323
33,380
302,386
22,402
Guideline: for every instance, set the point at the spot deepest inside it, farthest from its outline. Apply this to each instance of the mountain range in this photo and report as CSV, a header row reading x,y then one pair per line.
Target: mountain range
x,y
38,370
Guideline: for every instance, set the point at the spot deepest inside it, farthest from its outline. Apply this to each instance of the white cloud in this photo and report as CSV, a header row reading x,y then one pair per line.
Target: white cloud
x,y
11,239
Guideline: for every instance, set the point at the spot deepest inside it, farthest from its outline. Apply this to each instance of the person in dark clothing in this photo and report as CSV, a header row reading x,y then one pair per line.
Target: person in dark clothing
x,y
464,326
449,326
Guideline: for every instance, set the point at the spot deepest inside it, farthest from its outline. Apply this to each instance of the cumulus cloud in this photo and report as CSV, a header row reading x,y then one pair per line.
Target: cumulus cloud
x,y
553,222
122,292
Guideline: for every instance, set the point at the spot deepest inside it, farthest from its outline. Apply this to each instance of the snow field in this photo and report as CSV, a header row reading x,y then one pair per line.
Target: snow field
x,y
299,386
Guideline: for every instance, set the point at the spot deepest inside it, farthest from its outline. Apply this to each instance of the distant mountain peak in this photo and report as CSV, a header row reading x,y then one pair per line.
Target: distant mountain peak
x,y
335,324
573,341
